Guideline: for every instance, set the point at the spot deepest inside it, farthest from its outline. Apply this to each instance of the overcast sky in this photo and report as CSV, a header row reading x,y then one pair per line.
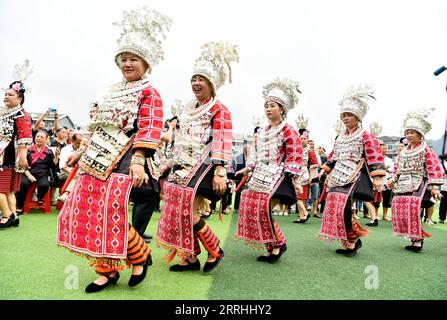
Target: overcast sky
x,y
394,45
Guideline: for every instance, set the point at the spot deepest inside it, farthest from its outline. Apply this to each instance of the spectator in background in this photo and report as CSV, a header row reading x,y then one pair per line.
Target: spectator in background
x,y
57,144
238,163
41,160
39,125
66,152
314,183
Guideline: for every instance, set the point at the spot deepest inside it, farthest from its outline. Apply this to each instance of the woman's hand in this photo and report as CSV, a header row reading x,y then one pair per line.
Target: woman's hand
x,y
23,162
378,183
219,185
138,176
72,159
243,172
390,184
436,194
30,177
298,189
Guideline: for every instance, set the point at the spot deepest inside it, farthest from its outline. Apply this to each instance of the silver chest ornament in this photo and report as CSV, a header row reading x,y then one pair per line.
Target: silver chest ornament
x,y
410,170
348,152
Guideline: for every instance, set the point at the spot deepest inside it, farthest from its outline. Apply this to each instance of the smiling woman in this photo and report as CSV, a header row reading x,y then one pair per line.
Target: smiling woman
x,y
15,139
126,125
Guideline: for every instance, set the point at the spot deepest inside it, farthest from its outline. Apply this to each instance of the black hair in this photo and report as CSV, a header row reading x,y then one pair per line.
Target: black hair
x,y
256,130
75,136
21,92
45,132
301,131
403,141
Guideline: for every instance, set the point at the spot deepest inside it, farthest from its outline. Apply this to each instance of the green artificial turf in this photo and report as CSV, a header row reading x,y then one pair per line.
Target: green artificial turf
x,y
34,267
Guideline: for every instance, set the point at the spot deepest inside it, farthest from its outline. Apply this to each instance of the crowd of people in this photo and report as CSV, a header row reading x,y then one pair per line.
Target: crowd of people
x,y
132,155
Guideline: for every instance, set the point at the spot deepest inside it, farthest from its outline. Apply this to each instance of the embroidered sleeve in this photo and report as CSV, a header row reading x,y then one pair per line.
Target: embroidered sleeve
x,y
433,167
222,132
374,157
150,120
23,125
294,151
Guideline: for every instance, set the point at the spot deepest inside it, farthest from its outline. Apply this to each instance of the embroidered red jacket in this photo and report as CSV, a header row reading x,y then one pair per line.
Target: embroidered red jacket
x,y
150,119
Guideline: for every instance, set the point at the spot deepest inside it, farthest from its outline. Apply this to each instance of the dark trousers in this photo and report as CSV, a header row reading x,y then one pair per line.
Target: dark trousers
x,y
237,200
43,184
443,206
143,207
226,198
347,215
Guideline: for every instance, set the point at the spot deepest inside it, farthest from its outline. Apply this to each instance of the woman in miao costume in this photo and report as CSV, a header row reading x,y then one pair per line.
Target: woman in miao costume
x,y
201,152
15,140
126,127
355,159
416,181
274,163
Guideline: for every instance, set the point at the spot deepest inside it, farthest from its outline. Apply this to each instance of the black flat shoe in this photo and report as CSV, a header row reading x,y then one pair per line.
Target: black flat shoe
x,y
11,222
137,279
414,248
212,265
373,224
189,266
93,287
275,257
352,251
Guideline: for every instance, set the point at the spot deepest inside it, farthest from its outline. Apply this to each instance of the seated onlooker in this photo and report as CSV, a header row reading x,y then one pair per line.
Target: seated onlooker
x,y
39,125
66,152
57,143
41,160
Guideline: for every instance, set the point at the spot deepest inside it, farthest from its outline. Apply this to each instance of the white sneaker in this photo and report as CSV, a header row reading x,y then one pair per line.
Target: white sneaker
x,y
286,213
430,222
356,217
275,213
280,213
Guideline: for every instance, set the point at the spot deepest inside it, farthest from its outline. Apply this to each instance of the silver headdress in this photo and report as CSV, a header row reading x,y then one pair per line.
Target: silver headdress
x,y
355,101
21,73
375,128
177,108
141,30
211,62
417,120
282,91
301,122
339,127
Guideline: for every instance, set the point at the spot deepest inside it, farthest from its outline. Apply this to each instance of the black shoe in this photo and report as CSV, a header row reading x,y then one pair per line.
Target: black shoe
x,y
93,287
301,220
11,222
352,251
275,257
189,266
375,223
137,279
264,258
414,248
40,202
212,265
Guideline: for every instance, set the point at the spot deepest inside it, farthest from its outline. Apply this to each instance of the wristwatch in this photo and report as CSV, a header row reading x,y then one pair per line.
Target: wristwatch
x,y
221,172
